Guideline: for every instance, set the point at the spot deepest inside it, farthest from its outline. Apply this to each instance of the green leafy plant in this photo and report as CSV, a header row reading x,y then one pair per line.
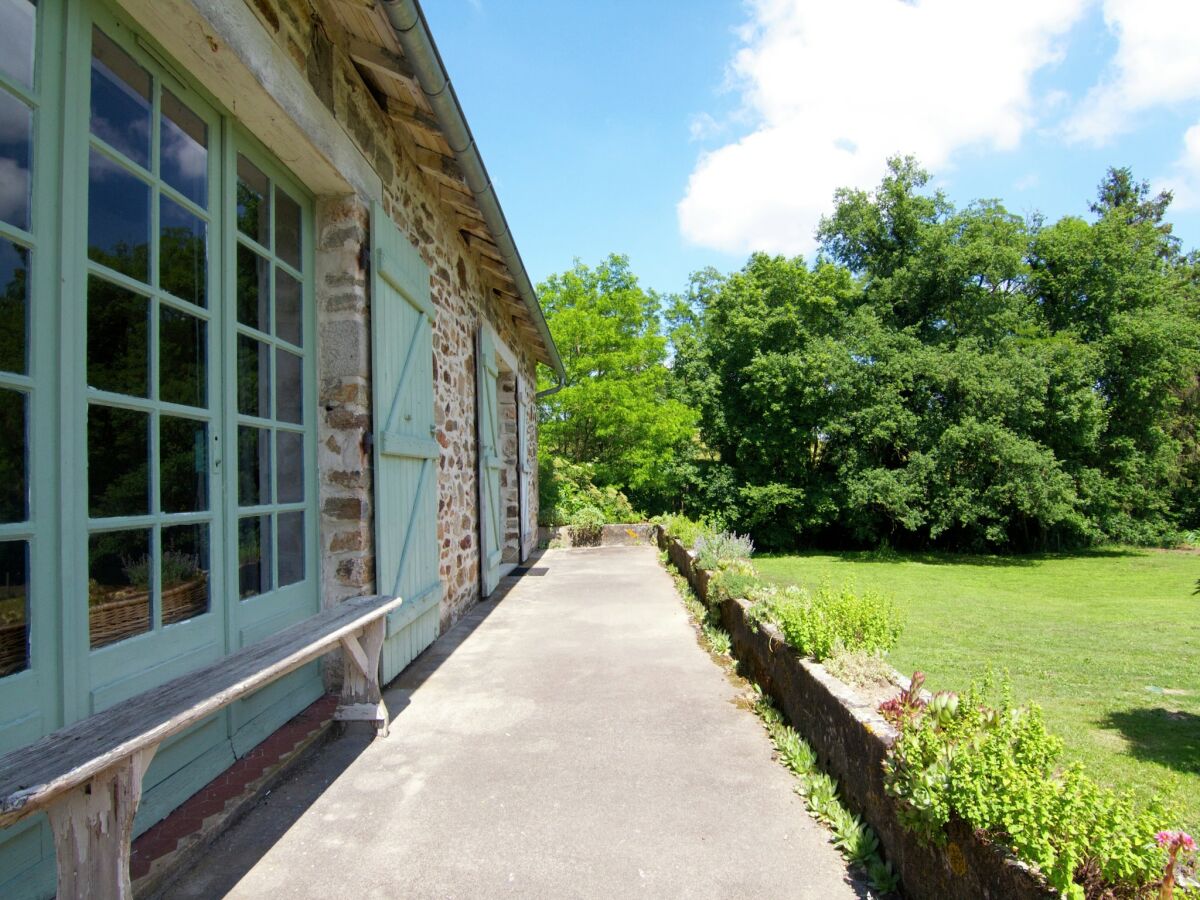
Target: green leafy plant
x,y
565,488
818,622
734,579
861,668
586,527
686,531
716,548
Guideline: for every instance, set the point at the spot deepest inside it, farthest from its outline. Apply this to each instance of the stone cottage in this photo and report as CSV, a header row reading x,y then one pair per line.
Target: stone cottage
x,y
266,344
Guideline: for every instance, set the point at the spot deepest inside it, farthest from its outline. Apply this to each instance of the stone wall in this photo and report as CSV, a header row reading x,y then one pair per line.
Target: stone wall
x,y
459,291
509,477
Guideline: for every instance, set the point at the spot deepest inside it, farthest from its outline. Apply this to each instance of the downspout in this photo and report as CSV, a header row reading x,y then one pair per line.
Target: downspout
x,y
412,32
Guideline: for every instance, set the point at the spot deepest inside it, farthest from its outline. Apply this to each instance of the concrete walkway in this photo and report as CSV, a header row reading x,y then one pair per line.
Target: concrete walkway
x,y
568,740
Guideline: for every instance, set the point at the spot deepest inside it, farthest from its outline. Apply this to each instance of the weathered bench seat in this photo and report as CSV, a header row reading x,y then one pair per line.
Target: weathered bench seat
x,y
88,776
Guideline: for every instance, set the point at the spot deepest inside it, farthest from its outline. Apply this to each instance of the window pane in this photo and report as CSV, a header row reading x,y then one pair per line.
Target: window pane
x,y
289,470
253,377
291,548
16,130
253,202
117,326
254,466
14,306
184,572
287,308
120,100
253,290
182,358
183,156
254,555
120,583
14,458
14,604
287,228
118,218
118,452
289,405
18,20
182,253
183,472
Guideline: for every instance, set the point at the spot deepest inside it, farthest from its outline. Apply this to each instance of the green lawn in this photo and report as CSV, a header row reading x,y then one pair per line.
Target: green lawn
x,y
1107,642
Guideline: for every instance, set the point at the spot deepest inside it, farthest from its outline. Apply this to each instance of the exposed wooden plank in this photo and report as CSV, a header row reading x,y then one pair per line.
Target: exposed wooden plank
x,y
378,59
34,775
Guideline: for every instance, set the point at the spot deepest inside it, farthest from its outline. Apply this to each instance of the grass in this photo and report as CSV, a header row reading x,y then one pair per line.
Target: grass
x,y
1108,642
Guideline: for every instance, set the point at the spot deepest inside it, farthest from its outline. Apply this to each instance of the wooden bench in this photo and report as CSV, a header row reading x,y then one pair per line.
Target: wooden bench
x,y
88,776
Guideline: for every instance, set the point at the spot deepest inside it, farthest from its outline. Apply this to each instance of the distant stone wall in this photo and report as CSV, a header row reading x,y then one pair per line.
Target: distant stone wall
x,y
509,483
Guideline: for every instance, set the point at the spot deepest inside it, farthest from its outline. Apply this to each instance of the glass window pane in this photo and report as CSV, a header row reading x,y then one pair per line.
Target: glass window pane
x,y
16,142
14,603
254,555
253,202
291,548
254,466
183,464
253,377
14,457
184,572
118,218
18,21
14,306
287,229
253,289
117,326
120,100
183,156
289,404
287,308
118,453
182,358
182,253
289,468
120,583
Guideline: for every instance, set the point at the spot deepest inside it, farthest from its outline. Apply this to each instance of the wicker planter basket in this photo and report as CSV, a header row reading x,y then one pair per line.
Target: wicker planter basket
x,y
126,613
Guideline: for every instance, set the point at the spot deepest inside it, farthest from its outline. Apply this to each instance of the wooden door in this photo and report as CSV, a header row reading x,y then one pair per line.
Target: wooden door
x,y
491,512
406,453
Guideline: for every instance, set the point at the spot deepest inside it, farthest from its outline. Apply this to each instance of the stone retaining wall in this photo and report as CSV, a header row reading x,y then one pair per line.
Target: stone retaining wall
x,y
852,741
611,536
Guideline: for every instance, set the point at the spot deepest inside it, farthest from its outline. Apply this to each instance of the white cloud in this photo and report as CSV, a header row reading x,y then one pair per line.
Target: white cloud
x,y
1156,63
1184,180
837,87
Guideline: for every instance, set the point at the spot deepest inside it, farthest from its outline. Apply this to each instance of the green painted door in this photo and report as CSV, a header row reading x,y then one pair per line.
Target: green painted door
x,y
491,514
406,453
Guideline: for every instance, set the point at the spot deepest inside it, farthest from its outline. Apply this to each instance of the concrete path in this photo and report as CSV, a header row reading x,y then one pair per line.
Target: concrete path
x,y
568,740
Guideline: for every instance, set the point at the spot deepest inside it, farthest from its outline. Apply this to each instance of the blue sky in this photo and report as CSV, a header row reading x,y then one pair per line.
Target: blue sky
x,y
686,134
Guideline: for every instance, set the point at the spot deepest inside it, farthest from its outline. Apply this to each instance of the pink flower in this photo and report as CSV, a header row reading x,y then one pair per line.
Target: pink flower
x,y
1176,840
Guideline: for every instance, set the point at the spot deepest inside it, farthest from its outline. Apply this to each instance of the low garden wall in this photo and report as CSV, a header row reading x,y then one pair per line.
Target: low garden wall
x,y
610,535
852,741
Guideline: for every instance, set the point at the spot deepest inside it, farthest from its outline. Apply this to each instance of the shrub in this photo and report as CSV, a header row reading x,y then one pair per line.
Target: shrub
x,y
683,529
859,667
733,579
564,488
714,548
817,623
586,527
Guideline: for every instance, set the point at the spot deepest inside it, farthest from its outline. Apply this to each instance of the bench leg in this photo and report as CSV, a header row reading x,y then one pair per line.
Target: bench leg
x,y
93,828
361,695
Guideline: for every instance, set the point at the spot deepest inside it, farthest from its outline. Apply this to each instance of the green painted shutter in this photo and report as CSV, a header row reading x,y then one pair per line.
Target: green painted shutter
x,y
406,454
491,531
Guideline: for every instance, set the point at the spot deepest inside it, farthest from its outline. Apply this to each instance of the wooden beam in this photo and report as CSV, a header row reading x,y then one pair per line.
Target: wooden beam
x,y
381,60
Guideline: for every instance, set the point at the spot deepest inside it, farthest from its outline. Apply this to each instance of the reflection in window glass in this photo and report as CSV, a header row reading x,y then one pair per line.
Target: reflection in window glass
x,y
14,603
183,154
18,23
291,548
254,466
118,449
182,358
253,202
182,253
287,308
253,378
183,464
254,555
118,218
120,584
253,292
185,564
16,130
14,459
118,358
289,468
287,229
14,307
289,404
120,100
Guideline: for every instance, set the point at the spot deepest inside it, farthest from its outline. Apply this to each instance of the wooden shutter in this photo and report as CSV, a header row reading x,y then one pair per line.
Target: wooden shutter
x,y
406,454
491,515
